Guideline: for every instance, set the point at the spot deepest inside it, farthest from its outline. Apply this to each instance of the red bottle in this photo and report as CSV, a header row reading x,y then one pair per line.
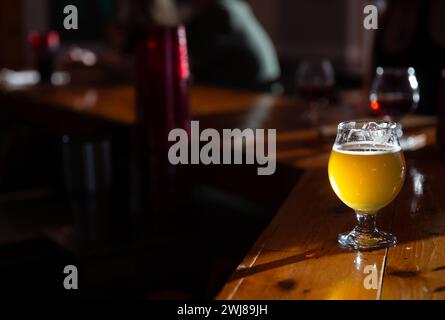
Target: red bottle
x,y
44,46
162,93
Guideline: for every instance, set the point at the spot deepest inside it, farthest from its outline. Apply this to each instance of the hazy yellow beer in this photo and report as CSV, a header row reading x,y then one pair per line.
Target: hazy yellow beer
x,y
365,176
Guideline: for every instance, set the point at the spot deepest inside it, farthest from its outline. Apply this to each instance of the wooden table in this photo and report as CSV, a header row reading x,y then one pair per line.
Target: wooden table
x,y
296,257
117,103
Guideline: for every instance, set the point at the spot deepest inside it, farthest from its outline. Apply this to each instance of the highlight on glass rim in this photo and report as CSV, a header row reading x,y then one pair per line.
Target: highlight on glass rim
x,y
222,155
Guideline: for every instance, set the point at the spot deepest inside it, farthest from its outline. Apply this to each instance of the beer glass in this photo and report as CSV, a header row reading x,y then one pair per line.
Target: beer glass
x,y
366,171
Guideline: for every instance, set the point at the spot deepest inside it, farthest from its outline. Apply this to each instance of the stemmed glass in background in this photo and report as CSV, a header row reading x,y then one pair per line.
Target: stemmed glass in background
x,y
394,92
314,83
366,171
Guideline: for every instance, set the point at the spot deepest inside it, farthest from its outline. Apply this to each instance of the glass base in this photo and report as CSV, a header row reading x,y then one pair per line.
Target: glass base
x,y
366,241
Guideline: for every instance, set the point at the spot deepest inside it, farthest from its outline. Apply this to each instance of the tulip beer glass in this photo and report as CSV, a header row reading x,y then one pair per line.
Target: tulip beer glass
x,y
366,171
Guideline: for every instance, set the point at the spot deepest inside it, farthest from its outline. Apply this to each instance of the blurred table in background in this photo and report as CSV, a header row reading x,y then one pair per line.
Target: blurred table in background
x,y
301,140
86,109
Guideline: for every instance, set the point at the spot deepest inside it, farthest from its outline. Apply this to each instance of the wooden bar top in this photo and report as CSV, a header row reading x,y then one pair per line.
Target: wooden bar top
x,y
297,256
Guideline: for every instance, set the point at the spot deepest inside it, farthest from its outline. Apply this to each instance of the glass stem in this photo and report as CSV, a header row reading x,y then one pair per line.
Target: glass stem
x,y
366,223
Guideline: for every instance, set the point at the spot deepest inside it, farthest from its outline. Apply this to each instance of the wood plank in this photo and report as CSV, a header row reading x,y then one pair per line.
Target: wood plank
x,y
416,266
297,256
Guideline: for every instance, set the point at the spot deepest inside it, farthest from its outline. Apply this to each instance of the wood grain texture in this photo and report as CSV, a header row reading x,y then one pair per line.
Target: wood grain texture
x,y
297,256
416,266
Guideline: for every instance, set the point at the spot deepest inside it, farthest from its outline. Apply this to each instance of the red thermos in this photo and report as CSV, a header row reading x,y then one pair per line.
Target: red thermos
x,y
162,93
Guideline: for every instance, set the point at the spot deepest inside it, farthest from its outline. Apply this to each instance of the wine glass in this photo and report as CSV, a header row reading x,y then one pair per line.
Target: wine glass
x,y
314,82
366,171
394,92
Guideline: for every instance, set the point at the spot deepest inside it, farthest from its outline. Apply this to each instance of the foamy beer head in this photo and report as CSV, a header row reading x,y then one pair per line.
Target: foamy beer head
x,y
366,166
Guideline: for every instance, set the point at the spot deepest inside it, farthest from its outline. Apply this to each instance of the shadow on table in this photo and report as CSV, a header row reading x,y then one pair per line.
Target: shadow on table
x,y
199,246
246,272
415,215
